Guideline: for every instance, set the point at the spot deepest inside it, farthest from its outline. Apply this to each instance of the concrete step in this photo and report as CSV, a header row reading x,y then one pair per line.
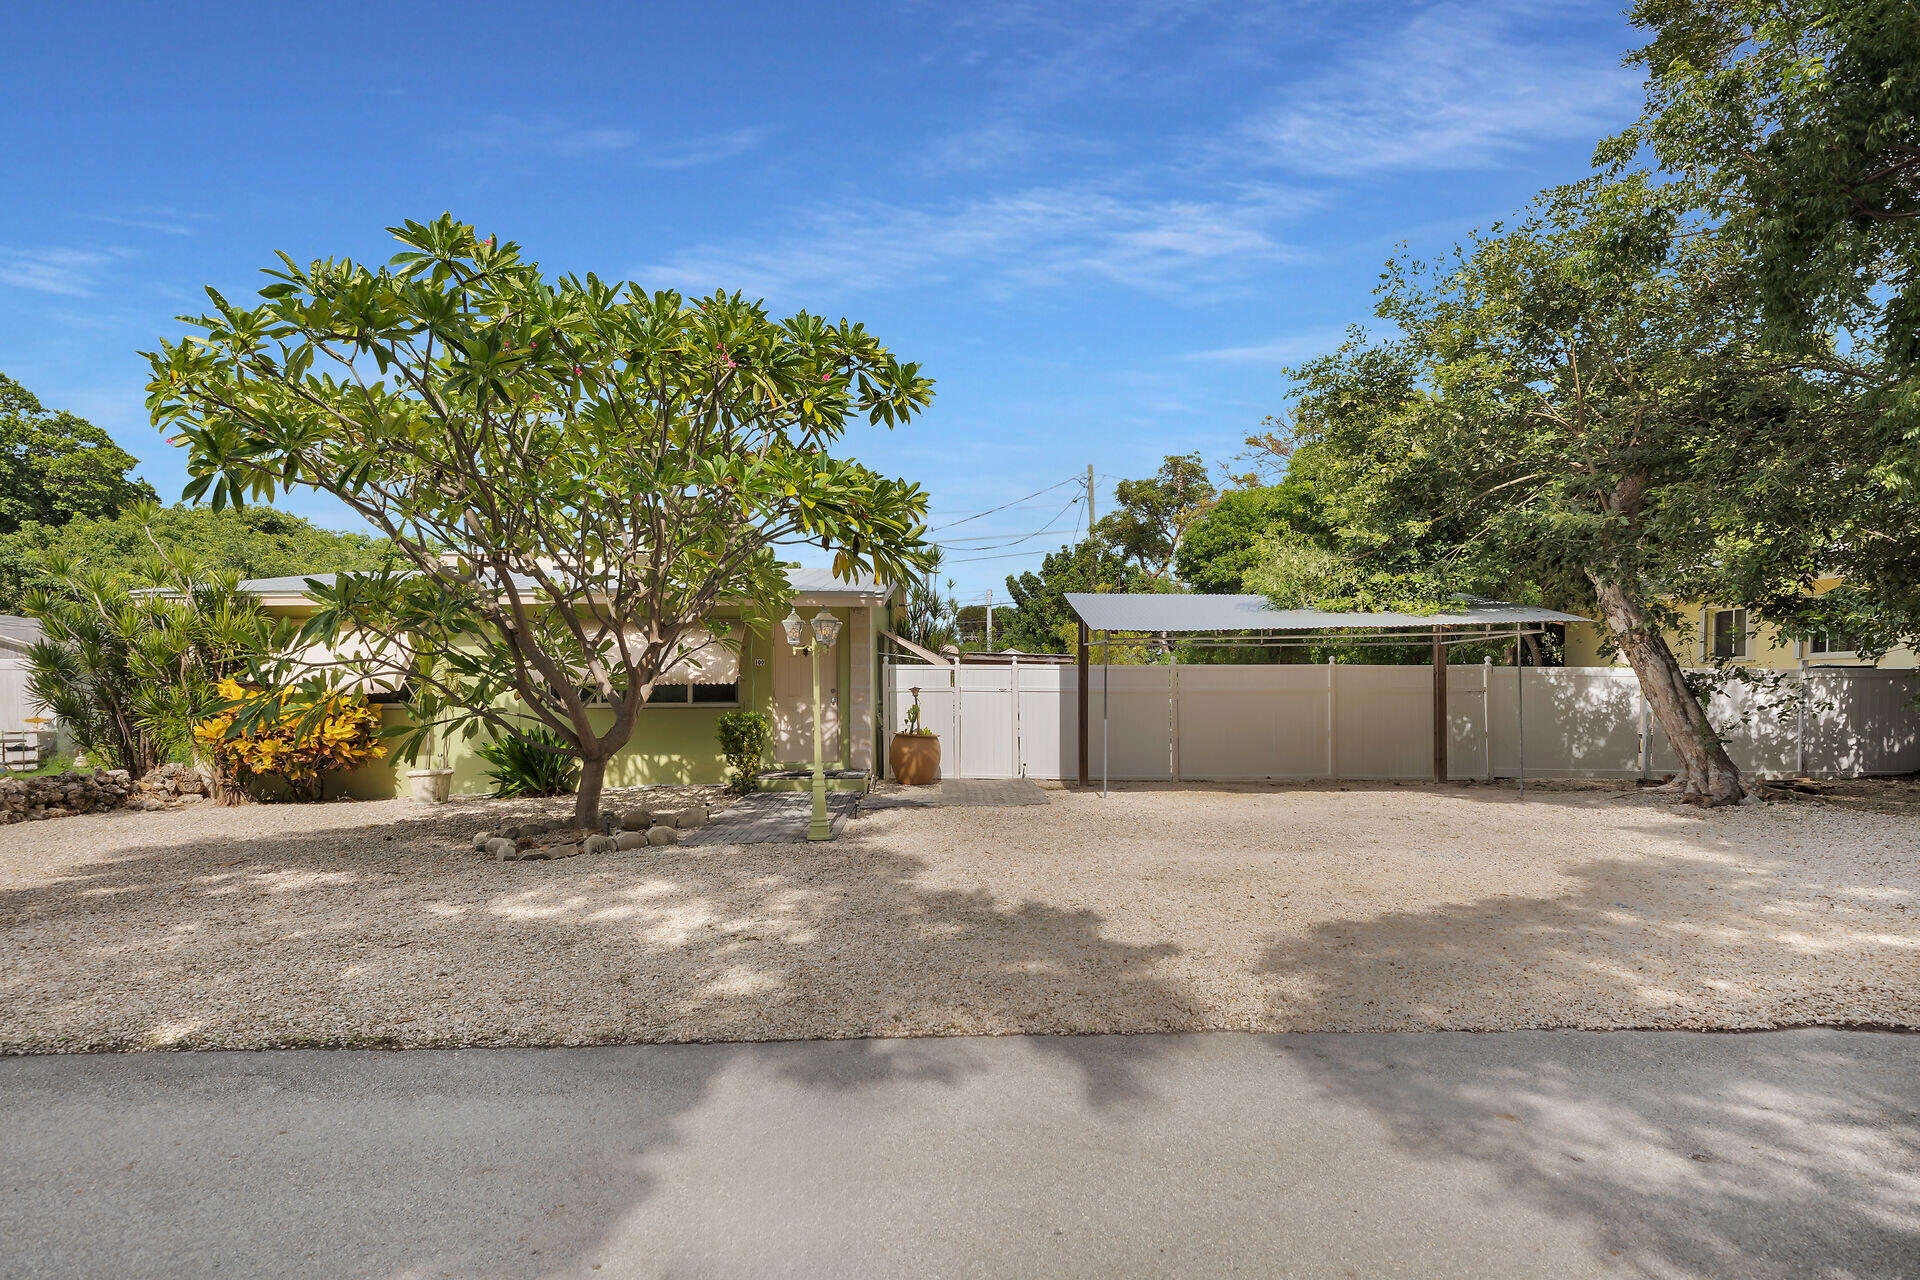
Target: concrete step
x,y
855,780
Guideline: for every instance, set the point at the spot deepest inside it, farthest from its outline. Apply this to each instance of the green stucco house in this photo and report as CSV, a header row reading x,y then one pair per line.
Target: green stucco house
x,y
675,739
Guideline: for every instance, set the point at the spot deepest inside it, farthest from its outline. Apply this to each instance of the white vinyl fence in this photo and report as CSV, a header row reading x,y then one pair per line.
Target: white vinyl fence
x,y
1220,723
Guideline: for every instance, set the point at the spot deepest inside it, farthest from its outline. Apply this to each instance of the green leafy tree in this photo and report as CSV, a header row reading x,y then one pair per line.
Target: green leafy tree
x,y
1230,539
571,474
1580,411
1042,620
1800,124
970,621
1154,514
130,662
55,467
253,542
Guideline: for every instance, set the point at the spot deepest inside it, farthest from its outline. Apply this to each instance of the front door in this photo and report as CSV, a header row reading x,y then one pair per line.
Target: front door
x,y
793,703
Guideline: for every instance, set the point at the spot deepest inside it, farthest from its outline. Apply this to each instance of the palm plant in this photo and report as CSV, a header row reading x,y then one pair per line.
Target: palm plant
x,y
925,617
130,664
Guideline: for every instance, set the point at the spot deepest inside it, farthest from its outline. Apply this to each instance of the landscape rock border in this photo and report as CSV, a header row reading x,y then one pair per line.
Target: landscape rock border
x,y
39,797
542,839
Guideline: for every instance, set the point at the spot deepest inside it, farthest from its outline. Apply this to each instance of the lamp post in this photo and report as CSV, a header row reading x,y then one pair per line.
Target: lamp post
x,y
826,629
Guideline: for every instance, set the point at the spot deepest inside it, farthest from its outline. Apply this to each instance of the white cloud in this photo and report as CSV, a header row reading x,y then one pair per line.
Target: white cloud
x,y
1040,237
1458,86
1285,350
69,272
171,222
514,135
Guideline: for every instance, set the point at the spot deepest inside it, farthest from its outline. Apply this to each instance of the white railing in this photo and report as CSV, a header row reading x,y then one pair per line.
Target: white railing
x,y
1281,721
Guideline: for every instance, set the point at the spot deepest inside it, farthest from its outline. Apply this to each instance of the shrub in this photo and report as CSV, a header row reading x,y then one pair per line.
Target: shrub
x,y
290,735
130,662
538,765
743,739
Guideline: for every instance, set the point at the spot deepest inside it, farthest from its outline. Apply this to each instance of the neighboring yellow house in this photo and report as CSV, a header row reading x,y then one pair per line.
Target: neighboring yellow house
x,y
1713,633
675,739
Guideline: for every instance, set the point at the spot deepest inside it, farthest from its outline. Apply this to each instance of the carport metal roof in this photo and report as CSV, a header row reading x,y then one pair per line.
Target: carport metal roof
x,y
1166,615
1208,613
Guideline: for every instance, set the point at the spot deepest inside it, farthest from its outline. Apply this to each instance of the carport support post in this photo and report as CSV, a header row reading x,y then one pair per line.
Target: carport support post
x,y
1106,679
1520,707
1085,764
1439,705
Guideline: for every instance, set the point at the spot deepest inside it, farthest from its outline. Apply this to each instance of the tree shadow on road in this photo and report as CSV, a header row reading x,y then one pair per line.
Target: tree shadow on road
x,y
1758,1155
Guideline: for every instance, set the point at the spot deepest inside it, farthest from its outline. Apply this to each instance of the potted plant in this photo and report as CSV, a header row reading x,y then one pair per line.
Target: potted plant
x,y
915,753
433,784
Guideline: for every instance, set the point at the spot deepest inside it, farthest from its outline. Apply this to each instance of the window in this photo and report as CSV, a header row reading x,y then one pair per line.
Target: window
x,y
1833,642
707,695
1729,633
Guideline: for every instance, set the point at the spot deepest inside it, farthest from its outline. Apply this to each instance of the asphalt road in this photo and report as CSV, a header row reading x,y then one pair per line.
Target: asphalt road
x,y
1527,1154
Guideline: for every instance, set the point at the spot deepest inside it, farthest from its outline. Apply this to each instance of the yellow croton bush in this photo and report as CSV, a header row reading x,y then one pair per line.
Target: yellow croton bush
x,y
344,735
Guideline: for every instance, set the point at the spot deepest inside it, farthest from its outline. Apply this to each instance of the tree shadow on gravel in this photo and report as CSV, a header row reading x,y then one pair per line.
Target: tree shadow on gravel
x,y
379,932
394,934
1710,937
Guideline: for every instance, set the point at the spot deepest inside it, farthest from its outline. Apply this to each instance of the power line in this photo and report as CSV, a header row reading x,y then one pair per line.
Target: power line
x,y
989,540
951,524
1004,555
1025,537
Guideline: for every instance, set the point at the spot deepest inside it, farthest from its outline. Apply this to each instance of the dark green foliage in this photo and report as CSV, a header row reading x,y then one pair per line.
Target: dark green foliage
x,y
1800,124
1219,550
55,467
743,740
129,663
1802,121
538,764
1154,514
971,623
254,542
1042,622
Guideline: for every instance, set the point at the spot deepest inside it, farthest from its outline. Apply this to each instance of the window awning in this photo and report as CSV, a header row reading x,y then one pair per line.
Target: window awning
x,y
702,658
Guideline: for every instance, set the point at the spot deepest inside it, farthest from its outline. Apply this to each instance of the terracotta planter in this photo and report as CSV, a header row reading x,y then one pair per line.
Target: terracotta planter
x,y
915,758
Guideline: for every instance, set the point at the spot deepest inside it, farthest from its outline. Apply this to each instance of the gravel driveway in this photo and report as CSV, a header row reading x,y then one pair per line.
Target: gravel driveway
x,y
1303,908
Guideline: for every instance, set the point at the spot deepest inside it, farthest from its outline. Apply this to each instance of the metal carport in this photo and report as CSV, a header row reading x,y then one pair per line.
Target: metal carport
x,y
1254,623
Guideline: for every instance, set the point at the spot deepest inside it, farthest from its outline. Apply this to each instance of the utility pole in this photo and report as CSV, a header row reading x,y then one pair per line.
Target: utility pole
x,y
1092,549
989,619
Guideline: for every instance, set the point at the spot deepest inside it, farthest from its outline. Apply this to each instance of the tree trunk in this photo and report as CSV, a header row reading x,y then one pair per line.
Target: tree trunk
x,y
1708,777
586,803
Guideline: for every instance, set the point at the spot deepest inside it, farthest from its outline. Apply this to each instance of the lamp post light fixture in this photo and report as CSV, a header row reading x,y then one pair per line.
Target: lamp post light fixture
x,y
826,629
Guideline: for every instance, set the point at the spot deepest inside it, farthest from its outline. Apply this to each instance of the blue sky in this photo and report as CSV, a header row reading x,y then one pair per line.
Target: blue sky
x,y
1101,228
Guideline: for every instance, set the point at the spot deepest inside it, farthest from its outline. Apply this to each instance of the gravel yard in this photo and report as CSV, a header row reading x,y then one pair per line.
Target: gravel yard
x,y
1282,909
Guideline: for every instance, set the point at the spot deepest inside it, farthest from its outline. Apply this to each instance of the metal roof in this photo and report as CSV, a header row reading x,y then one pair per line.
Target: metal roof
x,y
1168,612
18,633
806,582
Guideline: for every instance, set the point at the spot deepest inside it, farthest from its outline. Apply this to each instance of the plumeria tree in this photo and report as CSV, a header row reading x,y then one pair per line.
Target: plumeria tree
x,y
572,473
